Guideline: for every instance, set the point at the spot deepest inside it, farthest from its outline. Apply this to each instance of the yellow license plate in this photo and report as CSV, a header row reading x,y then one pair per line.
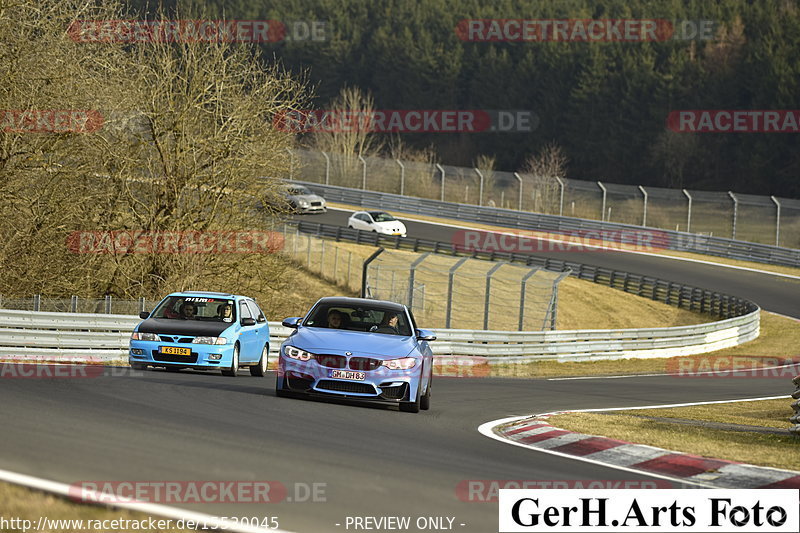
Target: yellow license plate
x,y
174,350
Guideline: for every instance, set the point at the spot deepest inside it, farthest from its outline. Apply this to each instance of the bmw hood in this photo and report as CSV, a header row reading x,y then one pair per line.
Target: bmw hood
x,y
336,341
194,328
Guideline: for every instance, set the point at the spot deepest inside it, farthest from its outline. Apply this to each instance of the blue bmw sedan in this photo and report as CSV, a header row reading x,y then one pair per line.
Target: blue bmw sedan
x,y
358,349
202,330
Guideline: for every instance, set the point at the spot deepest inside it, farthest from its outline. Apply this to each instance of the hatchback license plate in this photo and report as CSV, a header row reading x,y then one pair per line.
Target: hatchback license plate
x,y
174,350
347,374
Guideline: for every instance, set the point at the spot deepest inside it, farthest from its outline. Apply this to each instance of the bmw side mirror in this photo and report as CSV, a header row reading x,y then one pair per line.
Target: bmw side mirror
x,y
144,315
248,321
293,322
425,335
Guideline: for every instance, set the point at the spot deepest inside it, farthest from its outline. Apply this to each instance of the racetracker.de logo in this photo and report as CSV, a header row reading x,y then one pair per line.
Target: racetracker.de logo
x,y
178,492
174,242
191,31
461,366
568,241
50,121
487,490
734,121
407,121
584,30
732,366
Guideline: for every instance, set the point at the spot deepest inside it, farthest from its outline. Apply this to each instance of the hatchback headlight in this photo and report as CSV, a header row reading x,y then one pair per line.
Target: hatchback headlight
x,y
297,353
404,363
210,340
136,336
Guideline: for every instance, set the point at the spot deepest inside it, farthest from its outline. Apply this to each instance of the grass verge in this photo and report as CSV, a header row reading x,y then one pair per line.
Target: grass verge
x,y
26,504
653,427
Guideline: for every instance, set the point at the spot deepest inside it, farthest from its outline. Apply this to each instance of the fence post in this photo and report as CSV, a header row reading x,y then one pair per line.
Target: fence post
x,y
291,165
308,251
73,304
442,172
603,208
322,257
644,214
108,304
519,201
367,261
735,213
522,297
37,302
402,177
335,260
561,201
349,262
480,192
553,310
411,272
450,278
777,221
688,211
363,172
486,296
327,168
142,304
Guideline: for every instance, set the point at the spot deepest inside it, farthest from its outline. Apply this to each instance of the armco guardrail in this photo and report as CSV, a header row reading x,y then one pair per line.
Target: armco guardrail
x,y
527,221
795,419
669,292
72,337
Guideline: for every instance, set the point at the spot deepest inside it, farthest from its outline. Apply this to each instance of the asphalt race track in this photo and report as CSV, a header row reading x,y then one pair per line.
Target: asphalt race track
x,y
373,461
772,293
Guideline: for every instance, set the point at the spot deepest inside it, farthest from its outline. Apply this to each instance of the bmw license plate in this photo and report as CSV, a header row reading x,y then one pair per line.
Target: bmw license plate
x,y
347,374
175,350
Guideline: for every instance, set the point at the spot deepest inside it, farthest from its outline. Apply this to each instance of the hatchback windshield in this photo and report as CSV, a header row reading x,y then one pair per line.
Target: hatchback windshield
x,y
362,318
196,308
380,216
298,191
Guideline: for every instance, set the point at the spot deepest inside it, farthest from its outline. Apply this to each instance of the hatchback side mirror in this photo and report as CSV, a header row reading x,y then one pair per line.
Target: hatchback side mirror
x,y
248,321
144,315
425,335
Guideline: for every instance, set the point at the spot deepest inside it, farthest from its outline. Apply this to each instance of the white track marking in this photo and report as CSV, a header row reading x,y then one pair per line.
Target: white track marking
x,y
487,430
651,254
62,489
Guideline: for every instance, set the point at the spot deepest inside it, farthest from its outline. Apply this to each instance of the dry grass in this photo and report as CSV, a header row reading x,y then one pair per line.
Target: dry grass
x,y
734,262
26,504
774,450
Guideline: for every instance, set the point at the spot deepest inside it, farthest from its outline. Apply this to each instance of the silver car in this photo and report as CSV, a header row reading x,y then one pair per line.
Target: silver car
x,y
302,200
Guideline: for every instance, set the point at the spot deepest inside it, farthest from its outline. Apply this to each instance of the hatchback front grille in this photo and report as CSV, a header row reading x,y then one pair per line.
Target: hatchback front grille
x,y
346,386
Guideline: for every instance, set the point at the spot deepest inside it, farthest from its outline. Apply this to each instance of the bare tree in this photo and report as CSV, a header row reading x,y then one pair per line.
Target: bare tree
x,y
541,171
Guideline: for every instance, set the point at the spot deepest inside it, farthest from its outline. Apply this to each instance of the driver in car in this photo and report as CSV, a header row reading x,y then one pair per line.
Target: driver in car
x,y
188,311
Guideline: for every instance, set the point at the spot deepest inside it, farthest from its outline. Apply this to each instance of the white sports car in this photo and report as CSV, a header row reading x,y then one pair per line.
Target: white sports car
x,y
376,221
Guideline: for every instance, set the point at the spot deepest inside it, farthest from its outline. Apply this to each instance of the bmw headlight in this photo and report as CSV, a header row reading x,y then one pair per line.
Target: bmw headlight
x,y
297,353
404,363
210,340
136,336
